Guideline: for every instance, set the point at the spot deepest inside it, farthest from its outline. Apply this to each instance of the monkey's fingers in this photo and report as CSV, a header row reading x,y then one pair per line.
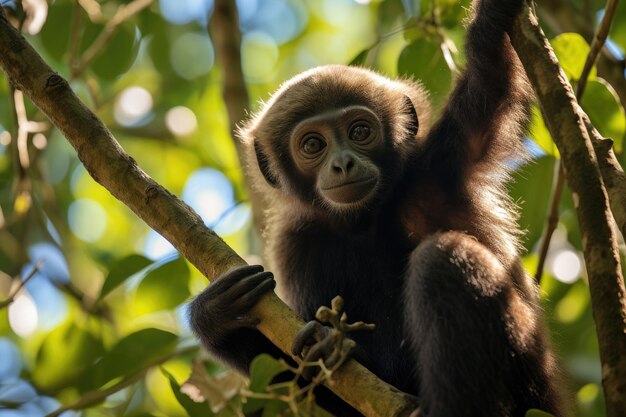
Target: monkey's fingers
x,y
250,298
339,356
320,350
246,286
227,279
310,333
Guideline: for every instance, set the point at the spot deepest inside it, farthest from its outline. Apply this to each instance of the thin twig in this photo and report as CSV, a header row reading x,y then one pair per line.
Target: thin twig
x,y
74,36
596,47
124,12
21,285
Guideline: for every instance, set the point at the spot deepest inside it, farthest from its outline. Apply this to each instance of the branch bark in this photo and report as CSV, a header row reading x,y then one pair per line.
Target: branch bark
x,y
110,166
567,127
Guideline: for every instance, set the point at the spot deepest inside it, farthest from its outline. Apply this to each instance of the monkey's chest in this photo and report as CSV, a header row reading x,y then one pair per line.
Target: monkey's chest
x,y
368,275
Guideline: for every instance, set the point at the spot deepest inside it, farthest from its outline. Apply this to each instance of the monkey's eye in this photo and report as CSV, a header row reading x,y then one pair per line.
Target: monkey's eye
x,y
360,132
312,145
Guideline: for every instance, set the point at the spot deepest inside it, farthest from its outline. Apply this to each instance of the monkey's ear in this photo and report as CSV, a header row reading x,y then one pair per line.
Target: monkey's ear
x,y
414,124
263,162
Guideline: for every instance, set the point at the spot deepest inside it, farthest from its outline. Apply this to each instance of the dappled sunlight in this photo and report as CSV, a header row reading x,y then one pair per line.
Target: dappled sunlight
x,y
133,105
23,316
87,219
181,121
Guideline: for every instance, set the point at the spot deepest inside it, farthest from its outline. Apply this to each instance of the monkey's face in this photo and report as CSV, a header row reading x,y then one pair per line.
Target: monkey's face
x,y
337,150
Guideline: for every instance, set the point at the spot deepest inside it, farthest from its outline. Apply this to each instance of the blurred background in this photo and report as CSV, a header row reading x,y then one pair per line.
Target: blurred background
x,y
93,302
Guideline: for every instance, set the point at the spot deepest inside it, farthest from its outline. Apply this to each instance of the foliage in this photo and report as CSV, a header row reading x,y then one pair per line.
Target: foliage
x,y
100,325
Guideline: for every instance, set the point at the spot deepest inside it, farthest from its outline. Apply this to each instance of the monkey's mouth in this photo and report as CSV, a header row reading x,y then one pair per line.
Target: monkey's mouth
x,y
351,191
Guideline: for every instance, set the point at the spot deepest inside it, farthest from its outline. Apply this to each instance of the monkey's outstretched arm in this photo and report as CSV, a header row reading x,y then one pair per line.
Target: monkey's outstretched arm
x,y
488,108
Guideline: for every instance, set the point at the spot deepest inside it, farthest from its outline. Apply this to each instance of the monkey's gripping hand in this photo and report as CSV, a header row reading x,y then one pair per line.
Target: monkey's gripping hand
x,y
330,344
223,307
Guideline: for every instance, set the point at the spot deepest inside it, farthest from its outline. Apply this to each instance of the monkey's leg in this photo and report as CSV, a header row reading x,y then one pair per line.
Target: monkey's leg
x,y
475,339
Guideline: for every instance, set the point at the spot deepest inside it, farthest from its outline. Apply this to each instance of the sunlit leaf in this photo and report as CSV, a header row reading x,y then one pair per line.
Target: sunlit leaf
x,y
262,370
537,413
163,288
424,61
66,352
194,409
571,49
359,60
602,104
129,355
122,270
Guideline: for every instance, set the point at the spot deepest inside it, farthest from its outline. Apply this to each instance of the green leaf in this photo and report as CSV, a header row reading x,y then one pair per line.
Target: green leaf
x,y
65,353
424,61
119,54
359,60
121,271
163,288
131,354
571,49
262,370
601,103
55,34
540,133
537,413
193,408
531,189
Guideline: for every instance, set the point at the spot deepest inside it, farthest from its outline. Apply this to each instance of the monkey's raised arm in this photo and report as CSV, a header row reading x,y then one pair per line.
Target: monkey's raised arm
x,y
488,108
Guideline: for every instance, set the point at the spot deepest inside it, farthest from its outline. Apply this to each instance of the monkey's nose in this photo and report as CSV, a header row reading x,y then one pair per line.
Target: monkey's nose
x,y
343,164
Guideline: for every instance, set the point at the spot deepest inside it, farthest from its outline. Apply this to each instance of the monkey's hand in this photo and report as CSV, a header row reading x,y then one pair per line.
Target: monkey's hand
x,y
224,306
316,341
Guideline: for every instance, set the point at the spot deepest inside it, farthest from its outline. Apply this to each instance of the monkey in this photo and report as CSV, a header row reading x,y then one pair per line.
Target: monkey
x,y
409,221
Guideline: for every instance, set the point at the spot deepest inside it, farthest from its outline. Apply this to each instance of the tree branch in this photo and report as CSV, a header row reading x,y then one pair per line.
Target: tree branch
x,y
596,46
227,41
567,127
110,166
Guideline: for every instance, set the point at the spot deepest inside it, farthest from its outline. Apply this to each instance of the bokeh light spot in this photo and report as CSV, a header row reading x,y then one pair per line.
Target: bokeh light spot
x,y
209,193
53,265
181,12
23,317
157,247
132,106
11,363
181,121
233,220
192,55
87,219
566,266
40,141
281,19
5,138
